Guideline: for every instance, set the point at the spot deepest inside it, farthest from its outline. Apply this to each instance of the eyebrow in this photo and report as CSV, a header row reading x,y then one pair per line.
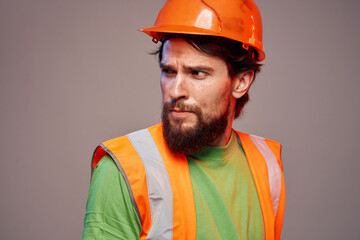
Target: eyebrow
x,y
200,68
190,68
164,65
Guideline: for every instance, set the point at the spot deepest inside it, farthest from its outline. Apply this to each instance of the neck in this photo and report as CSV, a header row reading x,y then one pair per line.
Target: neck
x,y
224,138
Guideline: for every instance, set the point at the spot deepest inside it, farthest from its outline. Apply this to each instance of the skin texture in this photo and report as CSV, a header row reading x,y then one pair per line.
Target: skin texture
x,y
198,82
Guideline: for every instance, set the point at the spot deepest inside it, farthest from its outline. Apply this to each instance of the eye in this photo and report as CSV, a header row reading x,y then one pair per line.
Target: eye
x,y
198,74
168,72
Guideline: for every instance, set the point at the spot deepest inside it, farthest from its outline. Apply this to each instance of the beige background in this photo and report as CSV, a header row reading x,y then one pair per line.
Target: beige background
x,y
74,73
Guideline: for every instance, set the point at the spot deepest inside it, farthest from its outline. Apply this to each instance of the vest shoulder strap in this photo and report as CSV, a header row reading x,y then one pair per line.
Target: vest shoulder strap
x,y
264,160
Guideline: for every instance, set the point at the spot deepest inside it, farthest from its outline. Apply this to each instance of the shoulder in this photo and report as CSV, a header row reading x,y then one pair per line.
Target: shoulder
x,y
124,138
257,138
122,150
105,172
105,177
106,167
109,198
262,144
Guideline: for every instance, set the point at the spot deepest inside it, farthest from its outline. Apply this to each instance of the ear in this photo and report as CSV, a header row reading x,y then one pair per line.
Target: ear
x,y
241,83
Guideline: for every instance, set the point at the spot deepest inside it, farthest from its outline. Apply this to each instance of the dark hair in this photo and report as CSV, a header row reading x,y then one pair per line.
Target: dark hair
x,y
237,58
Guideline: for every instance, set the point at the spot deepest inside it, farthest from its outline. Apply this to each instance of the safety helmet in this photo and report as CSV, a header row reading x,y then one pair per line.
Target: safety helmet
x,y
239,20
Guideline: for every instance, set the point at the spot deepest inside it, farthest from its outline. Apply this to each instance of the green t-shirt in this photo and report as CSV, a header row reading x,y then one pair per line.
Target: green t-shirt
x,y
226,201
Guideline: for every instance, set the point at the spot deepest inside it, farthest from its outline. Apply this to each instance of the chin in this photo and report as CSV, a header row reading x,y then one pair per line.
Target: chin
x,y
182,123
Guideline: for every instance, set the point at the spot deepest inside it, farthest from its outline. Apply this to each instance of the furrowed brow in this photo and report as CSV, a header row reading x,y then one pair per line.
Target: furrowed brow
x,y
165,66
200,68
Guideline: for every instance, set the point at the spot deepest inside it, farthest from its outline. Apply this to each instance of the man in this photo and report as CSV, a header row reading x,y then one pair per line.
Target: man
x,y
192,176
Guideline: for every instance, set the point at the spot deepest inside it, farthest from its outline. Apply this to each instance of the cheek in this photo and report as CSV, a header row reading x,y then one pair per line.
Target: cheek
x,y
215,94
216,102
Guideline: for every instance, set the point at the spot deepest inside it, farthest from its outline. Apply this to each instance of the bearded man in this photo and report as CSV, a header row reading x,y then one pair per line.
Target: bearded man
x,y
192,176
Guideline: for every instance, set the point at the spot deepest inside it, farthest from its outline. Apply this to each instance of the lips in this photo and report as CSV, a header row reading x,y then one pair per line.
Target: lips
x,y
179,113
176,109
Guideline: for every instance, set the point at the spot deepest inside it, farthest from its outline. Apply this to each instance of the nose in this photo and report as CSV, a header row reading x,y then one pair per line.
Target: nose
x,y
179,89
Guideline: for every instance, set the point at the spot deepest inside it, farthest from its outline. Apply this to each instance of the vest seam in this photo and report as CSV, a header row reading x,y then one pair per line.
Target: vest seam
x,y
112,155
92,160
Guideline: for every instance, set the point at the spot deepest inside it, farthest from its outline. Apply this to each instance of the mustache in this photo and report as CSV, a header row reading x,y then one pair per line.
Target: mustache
x,y
179,104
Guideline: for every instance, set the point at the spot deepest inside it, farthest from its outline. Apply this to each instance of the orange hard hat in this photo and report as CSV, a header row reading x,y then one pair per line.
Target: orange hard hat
x,y
238,20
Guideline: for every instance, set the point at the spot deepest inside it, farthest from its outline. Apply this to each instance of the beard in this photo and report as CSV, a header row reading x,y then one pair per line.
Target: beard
x,y
189,140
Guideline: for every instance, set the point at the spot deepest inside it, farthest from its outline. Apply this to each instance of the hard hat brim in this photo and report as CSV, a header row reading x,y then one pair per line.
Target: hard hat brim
x,y
158,31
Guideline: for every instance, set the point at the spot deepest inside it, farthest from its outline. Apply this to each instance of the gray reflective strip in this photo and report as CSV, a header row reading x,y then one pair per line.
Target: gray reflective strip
x,y
158,184
274,172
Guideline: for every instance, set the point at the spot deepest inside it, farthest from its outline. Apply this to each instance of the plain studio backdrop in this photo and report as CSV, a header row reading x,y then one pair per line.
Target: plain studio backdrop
x,y
74,73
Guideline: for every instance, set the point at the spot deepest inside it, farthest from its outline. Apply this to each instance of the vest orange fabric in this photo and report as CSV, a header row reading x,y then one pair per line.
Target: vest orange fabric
x,y
184,215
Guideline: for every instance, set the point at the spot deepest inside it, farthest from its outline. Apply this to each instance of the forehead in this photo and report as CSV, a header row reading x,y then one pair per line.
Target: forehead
x,y
178,49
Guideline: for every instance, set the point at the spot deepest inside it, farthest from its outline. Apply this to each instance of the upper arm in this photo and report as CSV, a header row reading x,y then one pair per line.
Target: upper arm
x,y
109,210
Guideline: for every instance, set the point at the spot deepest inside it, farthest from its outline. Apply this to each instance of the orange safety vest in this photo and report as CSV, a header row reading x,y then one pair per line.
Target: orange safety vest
x,y
160,186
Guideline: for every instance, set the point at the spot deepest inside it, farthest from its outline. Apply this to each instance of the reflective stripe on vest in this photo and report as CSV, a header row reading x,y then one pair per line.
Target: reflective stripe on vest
x,y
274,172
159,188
